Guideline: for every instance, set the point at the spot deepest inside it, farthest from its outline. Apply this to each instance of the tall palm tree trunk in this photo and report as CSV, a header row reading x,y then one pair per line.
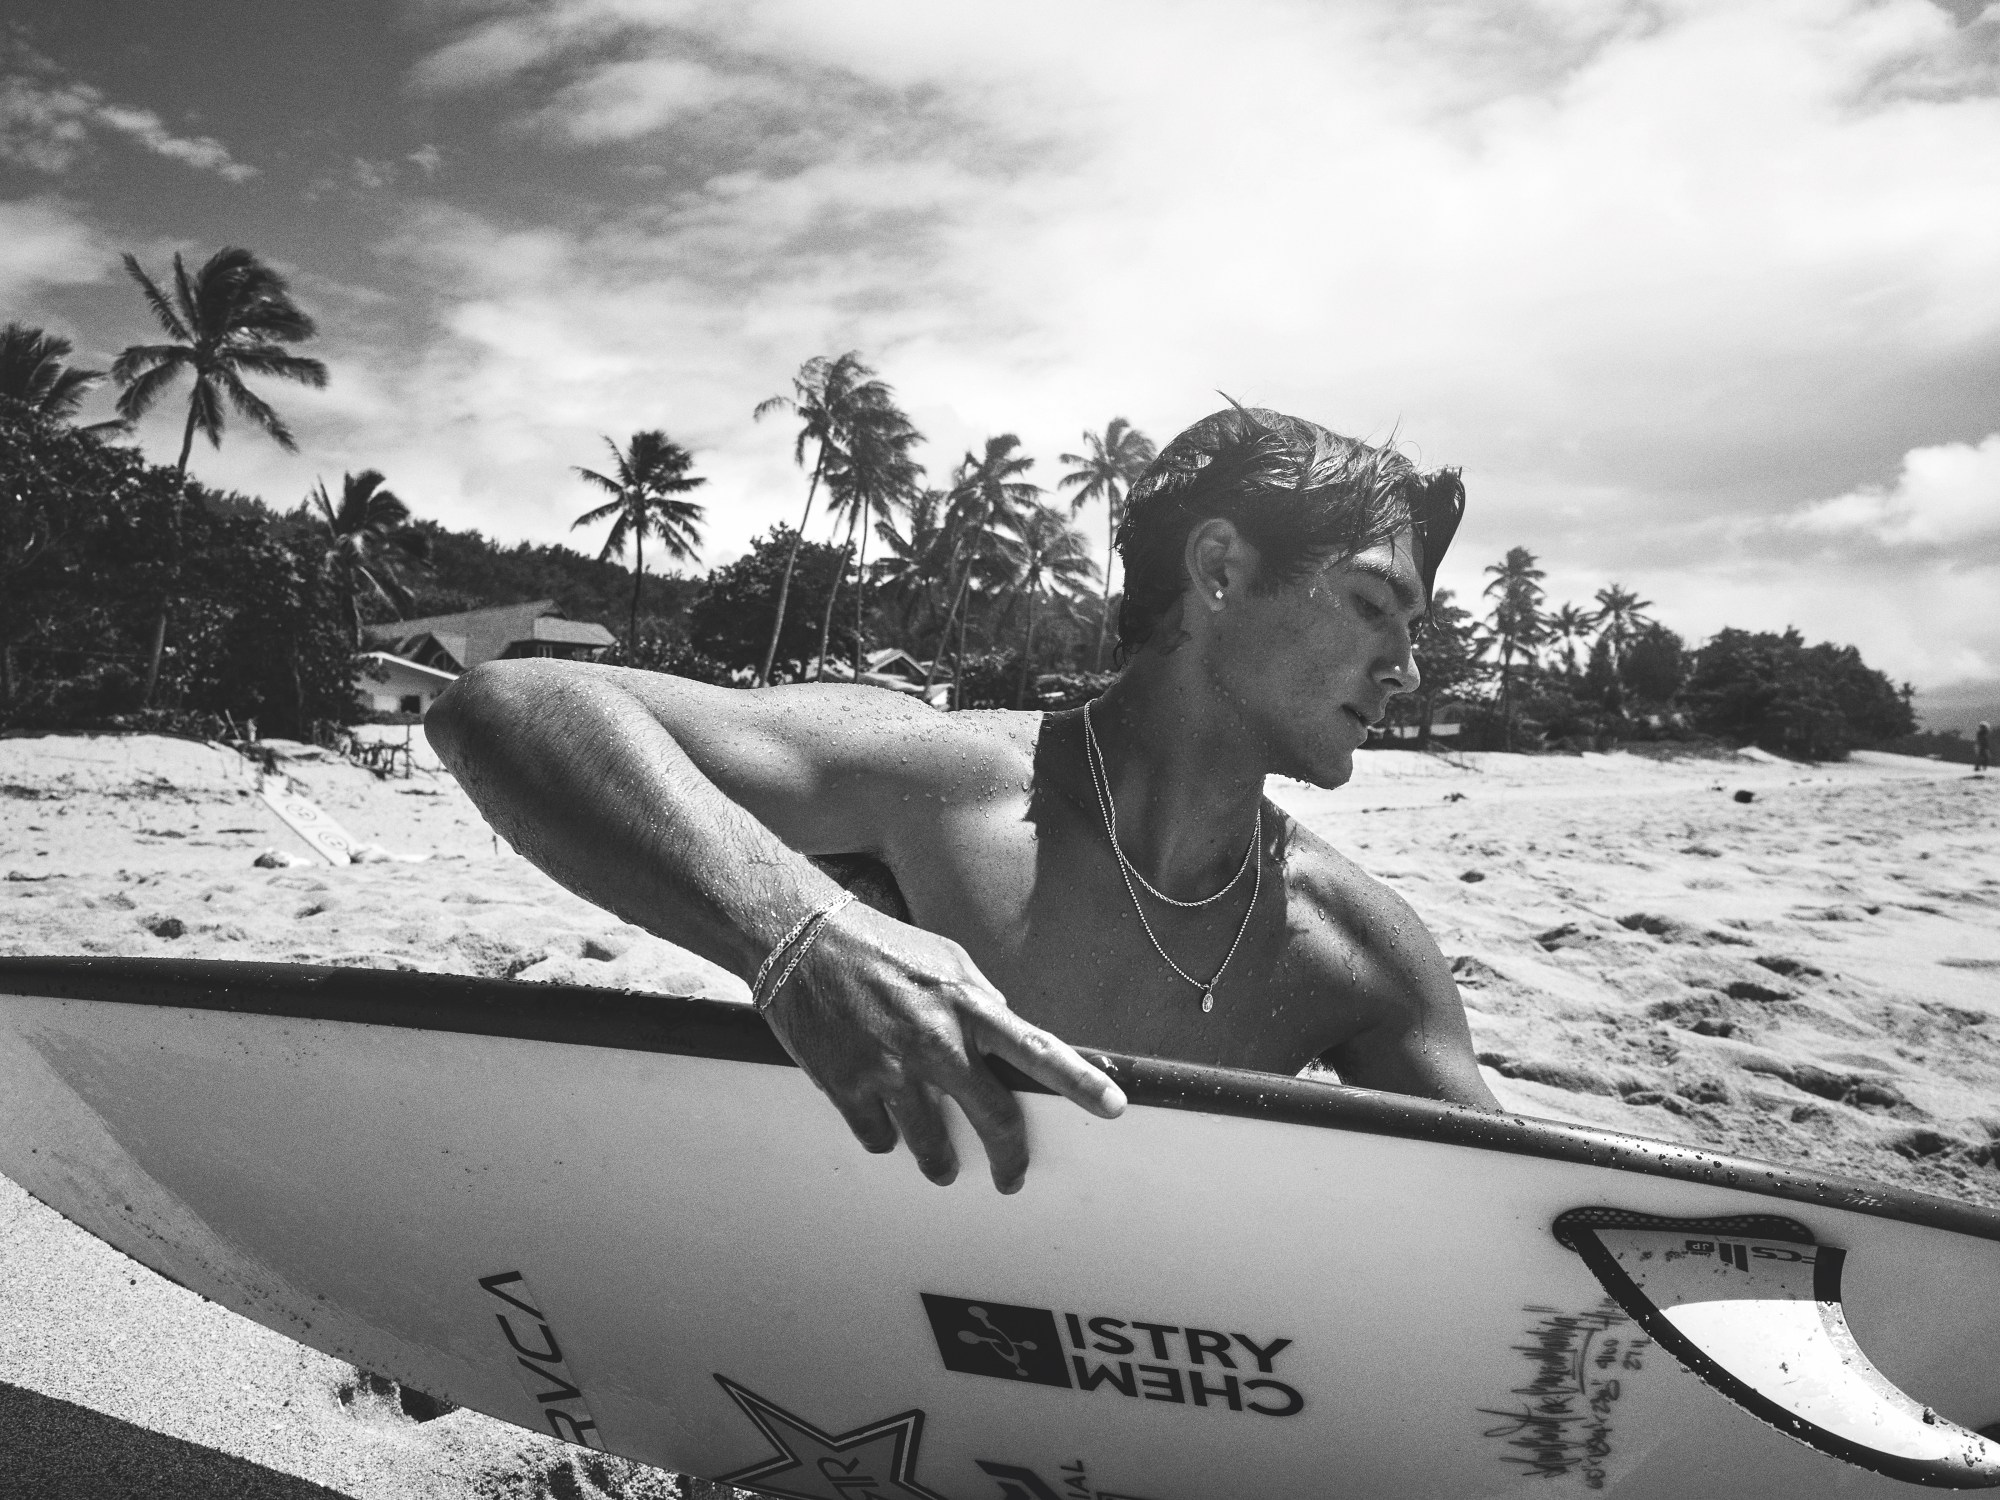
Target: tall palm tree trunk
x,y
1110,558
1027,656
785,583
187,441
944,636
957,599
958,665
638,576
860,594
158,646
832,593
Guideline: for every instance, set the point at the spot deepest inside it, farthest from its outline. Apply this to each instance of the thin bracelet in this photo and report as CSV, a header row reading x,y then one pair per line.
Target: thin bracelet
x,y
807,934
778,952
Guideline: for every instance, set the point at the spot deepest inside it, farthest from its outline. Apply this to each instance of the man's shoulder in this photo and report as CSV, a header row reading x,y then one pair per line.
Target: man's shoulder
x,y
892,738
1348,912
1318,873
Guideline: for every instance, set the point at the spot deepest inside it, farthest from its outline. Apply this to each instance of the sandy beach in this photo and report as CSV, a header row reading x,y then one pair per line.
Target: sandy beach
x,y
1793,962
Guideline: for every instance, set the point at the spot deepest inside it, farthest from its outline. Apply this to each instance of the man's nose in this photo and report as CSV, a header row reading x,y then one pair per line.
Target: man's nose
x,y
1398,671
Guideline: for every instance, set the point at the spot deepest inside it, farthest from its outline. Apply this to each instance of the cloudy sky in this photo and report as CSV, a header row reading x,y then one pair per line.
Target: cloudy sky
x,y
1704,295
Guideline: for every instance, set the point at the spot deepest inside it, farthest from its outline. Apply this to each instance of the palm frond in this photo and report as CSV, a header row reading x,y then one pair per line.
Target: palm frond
x,y
188,297
254,408
163,310
66,391
280,364
602,481
146,383
614,544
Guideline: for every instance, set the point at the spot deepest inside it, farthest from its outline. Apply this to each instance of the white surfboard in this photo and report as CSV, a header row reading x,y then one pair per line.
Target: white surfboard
x,y
309,821
629,1221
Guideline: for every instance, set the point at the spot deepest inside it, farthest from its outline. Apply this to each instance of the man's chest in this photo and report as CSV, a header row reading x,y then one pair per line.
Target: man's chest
x,y
1043,908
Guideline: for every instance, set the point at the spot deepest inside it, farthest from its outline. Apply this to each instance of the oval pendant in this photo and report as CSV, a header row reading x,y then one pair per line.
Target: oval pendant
x,y
1207,1001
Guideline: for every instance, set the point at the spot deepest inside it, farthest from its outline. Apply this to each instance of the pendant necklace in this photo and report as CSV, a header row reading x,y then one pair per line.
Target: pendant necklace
x,y
1100,780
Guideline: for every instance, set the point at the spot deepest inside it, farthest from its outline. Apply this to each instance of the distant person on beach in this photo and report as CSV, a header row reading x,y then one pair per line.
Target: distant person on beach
x,y
1982,748
1112,873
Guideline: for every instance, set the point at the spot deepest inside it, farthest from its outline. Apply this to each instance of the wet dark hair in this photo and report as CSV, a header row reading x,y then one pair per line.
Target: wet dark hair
x,y
1299,493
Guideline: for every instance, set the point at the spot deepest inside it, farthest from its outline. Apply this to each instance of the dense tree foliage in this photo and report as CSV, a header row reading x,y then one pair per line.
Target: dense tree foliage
x,y
1653,667
1817,702
92,537
730,617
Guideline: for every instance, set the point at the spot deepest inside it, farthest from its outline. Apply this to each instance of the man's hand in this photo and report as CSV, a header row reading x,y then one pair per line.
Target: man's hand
x,y
887,1019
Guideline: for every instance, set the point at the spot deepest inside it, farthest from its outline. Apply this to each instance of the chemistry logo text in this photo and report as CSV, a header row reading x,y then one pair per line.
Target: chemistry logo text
x,y
1166,1362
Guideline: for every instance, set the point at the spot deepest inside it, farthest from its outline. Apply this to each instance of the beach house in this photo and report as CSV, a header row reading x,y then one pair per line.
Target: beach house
x,y
411,661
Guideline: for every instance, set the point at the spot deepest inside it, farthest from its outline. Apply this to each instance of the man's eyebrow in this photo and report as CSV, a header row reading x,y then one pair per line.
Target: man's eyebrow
x,y
1407,598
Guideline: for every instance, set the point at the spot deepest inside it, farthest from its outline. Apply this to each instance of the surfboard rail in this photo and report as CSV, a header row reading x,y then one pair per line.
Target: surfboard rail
x,y
581,1015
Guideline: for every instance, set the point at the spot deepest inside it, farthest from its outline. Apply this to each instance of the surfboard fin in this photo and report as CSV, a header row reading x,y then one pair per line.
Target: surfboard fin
x,y
1751,1304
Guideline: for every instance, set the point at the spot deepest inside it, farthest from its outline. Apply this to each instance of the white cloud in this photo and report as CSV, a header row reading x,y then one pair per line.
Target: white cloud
x,y
624,100
1651,272
47,121
43,244
43,127
200,151
1945,495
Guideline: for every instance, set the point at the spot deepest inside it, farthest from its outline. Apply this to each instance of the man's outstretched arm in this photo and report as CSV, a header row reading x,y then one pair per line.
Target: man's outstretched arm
x,y
688,810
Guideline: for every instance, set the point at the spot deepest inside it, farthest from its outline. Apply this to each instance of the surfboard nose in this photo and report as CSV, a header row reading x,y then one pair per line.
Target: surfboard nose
x,y
1752,1305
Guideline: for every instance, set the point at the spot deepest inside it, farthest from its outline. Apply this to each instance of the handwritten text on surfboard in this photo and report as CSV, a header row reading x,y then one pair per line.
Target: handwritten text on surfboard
x,y
538,1360
1168,1362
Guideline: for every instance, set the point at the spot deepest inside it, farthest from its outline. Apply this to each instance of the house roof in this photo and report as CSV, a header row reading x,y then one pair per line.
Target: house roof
x,y
896,660
476,635
388,659
554,628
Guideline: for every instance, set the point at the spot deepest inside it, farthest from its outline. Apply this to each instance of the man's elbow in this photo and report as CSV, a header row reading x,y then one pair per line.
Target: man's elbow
x,y
474,701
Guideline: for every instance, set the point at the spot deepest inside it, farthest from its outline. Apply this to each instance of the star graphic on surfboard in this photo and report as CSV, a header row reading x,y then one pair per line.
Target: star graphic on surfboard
x,y
875,1462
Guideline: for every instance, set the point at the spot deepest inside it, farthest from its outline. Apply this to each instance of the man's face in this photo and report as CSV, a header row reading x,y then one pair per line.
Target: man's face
x,y
1311,665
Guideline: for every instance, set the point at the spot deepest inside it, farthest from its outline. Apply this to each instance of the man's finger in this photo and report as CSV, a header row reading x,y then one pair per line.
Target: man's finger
x,y
869,1122
1050,1060
923,1129
995,1115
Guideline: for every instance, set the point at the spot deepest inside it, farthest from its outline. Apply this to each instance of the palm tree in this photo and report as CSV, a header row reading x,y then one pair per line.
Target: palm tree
x,y
988,493
1566,627
1116,458
1517,624
829,397
229,319
1621,615
34,370
1046,554
915,555
649,473
368,539
870,478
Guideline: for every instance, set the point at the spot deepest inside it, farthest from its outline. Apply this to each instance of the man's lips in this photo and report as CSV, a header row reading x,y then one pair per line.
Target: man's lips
x,y
1365,724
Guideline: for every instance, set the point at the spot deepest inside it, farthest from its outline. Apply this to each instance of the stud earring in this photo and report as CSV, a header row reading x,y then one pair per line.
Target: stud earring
x,y
1218,593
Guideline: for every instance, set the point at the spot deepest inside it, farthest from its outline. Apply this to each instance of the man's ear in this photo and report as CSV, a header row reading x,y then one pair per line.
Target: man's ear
x,y
1219,560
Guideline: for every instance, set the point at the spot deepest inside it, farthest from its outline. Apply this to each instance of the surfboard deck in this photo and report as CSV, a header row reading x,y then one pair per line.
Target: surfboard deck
x,y
628,1220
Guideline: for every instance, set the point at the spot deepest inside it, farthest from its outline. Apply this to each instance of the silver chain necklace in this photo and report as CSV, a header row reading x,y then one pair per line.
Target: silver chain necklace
x,y
1110,811
1100,780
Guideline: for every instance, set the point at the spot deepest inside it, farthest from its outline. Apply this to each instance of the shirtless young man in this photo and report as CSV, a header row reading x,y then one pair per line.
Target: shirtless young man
x,y
1274,572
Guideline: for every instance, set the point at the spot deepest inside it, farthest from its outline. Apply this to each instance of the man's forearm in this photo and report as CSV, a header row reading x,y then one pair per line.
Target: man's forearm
x,y
581,778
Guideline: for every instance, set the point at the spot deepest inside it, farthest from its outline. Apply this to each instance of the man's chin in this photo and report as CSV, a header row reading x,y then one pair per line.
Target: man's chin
x,y
1331,771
